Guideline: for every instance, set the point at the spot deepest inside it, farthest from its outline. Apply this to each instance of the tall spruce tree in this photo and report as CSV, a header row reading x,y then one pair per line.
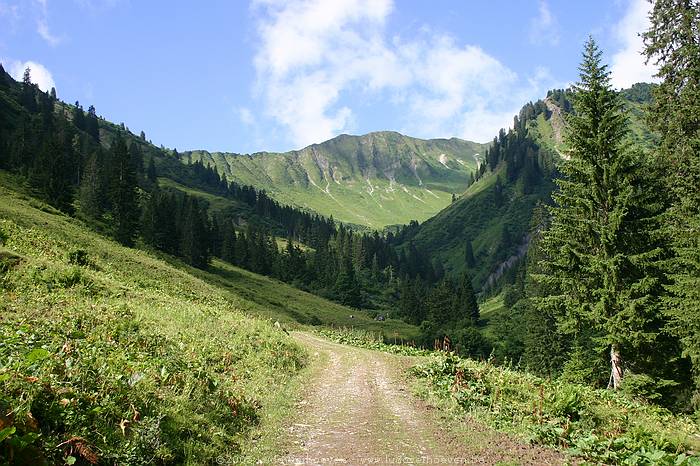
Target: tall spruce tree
x,y
28,91
123,193
347,288
466,306
441,303
92,126
91,191
78,116
601,249
673,43
544,345
194,241
469,253
228,243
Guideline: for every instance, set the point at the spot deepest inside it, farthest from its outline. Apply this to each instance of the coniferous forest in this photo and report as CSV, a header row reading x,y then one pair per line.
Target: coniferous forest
x,y
586,246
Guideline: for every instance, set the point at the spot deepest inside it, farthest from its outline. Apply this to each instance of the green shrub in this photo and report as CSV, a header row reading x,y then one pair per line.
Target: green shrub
x,y
59,277
644,387
367,339
8,260
79,257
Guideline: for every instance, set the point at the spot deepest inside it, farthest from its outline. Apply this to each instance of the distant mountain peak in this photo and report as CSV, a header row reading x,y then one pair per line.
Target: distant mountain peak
x,y
375,179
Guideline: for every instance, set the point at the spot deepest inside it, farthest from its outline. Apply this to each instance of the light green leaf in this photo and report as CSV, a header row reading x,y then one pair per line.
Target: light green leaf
x,y
37,354
6,432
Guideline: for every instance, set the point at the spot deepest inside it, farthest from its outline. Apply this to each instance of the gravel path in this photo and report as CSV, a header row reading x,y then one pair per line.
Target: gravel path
x,y
358,410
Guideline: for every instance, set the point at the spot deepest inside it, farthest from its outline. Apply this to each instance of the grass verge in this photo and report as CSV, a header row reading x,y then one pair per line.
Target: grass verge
x,y
597,425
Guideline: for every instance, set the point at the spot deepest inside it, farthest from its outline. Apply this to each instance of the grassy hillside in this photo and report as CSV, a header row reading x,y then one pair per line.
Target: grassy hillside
x,y
374,180
475,215
549,129
116,354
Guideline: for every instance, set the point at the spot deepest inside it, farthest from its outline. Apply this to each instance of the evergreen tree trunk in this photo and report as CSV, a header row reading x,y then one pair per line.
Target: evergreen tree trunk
x,y
615,368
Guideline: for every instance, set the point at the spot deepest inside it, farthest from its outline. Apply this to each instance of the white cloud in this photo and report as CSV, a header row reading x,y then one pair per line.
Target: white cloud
x,y
544,28
453,84
8,10
42,24
627,65
246,116
317,59
312,50
39,74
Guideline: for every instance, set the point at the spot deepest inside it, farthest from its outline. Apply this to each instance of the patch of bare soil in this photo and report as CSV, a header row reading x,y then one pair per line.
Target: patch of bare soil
x,y
358,410
557,120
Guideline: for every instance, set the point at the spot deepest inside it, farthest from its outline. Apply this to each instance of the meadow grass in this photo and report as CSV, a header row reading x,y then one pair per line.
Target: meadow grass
x,y
488,310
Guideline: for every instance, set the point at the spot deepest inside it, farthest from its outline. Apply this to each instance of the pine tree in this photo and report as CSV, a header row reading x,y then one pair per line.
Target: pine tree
x,y
159,222
466,306
194,241
469,254
545,345
123,193
148,226
51,174
92,126
441,303
242,251
151,171
28,91
228,246
215,241
78,116
347,288
601,248
91,193
498,192
673,43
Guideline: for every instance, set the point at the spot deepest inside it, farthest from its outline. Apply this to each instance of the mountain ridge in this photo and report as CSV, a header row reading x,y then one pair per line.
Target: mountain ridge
x,y
376,179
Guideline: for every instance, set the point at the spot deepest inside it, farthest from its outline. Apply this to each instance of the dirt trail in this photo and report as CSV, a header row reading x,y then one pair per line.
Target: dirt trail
x,y
358,410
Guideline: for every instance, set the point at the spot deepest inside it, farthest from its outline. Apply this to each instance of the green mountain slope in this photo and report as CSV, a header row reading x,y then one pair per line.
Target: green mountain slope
x,y
499,230
375,180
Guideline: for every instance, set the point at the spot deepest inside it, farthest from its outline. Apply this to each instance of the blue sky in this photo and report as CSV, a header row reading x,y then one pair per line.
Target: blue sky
x,y
278,75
